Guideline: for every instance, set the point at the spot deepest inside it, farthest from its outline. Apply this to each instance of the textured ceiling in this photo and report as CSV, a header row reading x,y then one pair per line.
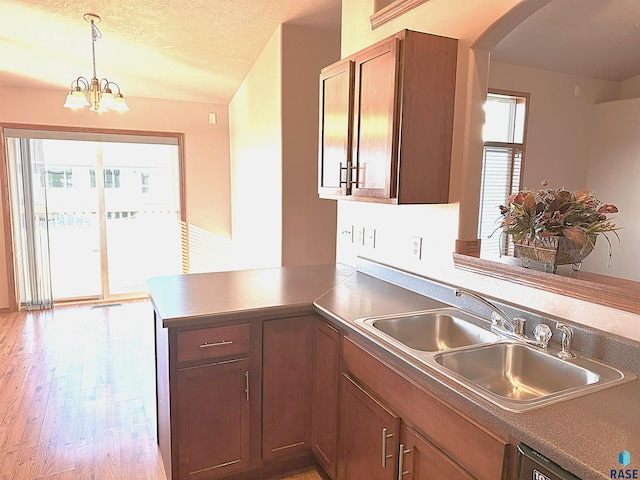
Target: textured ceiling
x,y
197,50
201,50
590,38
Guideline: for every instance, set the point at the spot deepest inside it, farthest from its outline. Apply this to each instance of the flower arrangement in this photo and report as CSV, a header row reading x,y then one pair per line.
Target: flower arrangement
x,y
532,216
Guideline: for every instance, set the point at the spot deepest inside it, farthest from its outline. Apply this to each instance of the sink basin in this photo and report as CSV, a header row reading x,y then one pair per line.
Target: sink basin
x,y
513,375
518,377
431,331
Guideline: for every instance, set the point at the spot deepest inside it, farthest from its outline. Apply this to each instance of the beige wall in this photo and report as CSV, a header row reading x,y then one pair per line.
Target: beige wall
x,y
613,172
256,161
630,88
277,216
479,24
309,224
206,146
560,122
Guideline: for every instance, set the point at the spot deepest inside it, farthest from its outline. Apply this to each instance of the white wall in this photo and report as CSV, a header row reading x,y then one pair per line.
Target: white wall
x,y
614,174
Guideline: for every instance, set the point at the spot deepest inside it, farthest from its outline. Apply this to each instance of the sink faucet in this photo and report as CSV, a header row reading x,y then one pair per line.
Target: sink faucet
x,y
498,319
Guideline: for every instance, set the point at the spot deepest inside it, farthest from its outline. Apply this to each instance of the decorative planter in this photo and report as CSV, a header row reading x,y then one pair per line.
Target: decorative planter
x,y
554,251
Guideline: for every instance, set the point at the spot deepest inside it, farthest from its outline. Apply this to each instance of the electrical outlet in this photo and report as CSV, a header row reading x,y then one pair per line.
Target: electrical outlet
x,y
346,232
416,247
370,238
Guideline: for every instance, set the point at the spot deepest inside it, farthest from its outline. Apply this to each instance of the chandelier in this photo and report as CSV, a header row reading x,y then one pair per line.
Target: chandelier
x,y
101,97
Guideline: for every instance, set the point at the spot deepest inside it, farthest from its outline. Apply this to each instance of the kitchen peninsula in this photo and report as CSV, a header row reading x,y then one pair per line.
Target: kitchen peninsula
x,y
250,365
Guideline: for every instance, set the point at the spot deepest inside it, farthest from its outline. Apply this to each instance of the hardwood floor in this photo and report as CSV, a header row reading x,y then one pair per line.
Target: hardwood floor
x,y
77,395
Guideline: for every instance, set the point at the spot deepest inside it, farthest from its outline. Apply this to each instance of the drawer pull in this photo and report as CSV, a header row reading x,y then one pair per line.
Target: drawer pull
x,y
384,455
216,344
246,384
401,471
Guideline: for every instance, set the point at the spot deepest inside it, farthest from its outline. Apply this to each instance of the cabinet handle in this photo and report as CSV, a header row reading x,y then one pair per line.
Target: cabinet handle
x,y
346,174
246,384
216,344
401,471
385,436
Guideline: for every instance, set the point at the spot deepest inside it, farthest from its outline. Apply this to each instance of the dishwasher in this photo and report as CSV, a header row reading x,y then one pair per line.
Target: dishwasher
x,y
534,466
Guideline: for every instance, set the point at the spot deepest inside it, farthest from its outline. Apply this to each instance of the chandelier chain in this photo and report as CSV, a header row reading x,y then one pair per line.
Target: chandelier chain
x,y
95,35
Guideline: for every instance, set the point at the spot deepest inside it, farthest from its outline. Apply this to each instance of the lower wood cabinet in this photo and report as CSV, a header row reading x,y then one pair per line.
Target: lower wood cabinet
x,y
255,399
449,445
214,419
324,402
370,436
286,390
420,460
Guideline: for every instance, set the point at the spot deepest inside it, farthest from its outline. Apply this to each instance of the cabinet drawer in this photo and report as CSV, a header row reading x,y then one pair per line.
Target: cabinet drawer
x,y
213,342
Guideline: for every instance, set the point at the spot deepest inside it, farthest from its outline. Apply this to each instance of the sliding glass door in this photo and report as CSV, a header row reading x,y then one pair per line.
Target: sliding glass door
x,y
141,203
112,211
73,218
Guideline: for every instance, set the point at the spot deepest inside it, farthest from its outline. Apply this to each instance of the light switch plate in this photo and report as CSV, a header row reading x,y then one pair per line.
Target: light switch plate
x,y
416,247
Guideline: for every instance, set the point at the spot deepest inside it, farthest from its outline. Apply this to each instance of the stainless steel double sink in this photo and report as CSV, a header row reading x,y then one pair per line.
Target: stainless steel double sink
x,y
513,375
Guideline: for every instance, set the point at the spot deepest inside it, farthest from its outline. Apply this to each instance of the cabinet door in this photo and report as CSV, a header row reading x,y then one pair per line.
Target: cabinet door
x,y
213,419
334,149
369,437
286,398
375,121
326,377
420,460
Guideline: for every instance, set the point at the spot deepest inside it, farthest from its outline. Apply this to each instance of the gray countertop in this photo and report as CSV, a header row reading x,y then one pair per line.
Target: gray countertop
x,y
203,297
583,435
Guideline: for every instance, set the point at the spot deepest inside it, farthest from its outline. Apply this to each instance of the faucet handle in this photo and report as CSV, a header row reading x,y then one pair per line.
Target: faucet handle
x,y
518,325
496,319
542,333
567,337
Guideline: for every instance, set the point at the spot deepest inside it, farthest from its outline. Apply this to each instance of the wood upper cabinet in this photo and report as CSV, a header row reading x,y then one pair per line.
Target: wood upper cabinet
x,y
286,398
336,110
326,380
213,405
401,126
369,438
374,121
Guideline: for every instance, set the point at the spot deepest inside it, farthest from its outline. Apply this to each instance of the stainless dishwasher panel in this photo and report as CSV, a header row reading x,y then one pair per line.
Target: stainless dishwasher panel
x,y
533,466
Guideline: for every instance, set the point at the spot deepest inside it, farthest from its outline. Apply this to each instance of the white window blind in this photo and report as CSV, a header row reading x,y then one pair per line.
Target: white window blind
x,y
501,165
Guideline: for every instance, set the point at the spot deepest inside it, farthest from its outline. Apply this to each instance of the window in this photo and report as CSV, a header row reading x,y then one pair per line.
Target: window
x,y
58,178
144,180
111,178
502,163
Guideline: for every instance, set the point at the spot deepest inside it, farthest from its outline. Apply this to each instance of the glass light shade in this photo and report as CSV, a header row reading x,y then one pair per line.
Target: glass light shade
x,y
76,99
119,104
106,100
